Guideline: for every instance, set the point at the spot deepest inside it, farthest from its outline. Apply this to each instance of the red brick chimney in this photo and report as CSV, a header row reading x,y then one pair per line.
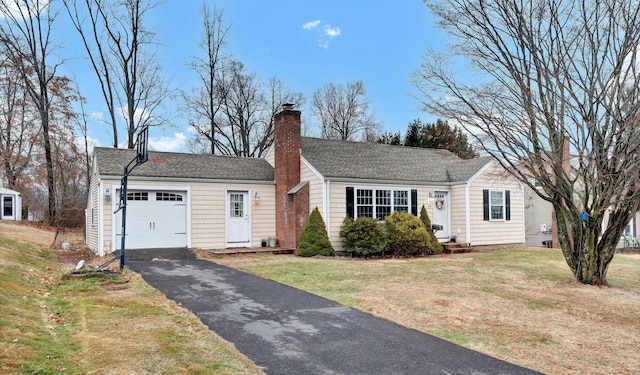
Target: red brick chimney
x,y
292,196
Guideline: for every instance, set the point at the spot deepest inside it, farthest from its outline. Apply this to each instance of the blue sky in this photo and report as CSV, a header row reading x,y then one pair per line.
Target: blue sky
x,y
306,44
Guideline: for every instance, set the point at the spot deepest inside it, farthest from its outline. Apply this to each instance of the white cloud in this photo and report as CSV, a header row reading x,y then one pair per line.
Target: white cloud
x,y
139,115
174,143
21,10
331,32
311,24
97,115
325,34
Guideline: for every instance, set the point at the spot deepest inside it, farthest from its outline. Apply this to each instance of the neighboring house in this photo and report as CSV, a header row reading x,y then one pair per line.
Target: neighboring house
x,y
11,204
205,201
538,215
541,230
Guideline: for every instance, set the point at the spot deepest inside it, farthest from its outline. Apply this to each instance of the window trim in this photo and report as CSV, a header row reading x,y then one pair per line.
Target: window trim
x,y
486,205
375,196
503,205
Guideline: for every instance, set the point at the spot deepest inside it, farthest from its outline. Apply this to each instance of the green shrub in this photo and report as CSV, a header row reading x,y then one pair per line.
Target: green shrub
x,y
314,239
433,241
424,217
407,235
363,237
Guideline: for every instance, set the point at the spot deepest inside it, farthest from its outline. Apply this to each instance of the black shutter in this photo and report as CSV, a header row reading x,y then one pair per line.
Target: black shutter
x,y
414,202
485,203
507,204
350,197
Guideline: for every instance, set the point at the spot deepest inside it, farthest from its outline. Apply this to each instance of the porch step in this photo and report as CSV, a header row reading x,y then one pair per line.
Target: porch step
x,y
455,247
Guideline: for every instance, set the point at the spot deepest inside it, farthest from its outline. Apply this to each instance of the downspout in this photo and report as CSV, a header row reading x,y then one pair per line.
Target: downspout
x,y
467,214
325,205
100,219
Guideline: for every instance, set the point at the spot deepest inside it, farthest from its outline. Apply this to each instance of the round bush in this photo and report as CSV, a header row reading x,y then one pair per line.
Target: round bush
x,y
407,235
363,237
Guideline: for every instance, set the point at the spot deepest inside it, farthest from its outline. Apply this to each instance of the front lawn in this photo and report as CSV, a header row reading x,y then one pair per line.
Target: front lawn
x,y
521,305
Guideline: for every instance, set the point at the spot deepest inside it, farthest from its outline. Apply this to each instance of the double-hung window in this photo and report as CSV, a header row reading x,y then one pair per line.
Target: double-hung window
x,y
496,204
380,203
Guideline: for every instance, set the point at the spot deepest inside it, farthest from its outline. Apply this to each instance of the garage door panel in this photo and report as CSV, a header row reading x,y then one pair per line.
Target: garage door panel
x,y
154,220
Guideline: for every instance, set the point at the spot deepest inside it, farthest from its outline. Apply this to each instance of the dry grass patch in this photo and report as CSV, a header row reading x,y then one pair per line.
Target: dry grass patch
x,y
51,323
520,305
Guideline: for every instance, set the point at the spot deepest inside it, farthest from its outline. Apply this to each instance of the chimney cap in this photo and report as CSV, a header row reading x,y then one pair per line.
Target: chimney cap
x,y
287,106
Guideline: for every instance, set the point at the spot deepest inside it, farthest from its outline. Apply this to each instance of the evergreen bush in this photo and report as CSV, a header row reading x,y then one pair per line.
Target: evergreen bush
x,y
363,237
424,217
433,240
314,239
407,235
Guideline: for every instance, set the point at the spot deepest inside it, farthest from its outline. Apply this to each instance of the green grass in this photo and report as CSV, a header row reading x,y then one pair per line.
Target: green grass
x,y
522,305
36,330
52,323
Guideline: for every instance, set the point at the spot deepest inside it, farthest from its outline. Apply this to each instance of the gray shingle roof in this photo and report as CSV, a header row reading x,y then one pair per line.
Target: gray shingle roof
x,y
357,160
333,159
111,161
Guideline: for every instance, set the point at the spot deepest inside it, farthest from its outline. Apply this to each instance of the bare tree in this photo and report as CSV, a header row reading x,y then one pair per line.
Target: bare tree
x,y
19,128
343,111
25,33
121,52
203,103
244,120
550,72
85,16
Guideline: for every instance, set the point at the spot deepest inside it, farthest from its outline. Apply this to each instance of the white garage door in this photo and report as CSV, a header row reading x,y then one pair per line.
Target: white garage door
x,y
155,219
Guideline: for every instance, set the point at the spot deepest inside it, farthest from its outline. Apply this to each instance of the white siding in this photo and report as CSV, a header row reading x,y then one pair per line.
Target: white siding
x,y
92,214
315,188
338,204
207,221
485,232
459,214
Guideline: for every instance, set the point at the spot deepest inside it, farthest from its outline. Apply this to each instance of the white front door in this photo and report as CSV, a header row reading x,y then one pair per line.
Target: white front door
x,y
238,218
441,214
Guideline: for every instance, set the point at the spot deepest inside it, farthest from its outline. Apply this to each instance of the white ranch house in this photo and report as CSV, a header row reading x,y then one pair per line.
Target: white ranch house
x,y
213,202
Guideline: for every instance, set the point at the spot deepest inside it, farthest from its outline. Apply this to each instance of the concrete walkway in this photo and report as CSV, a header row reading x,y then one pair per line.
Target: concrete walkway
x,y
290,332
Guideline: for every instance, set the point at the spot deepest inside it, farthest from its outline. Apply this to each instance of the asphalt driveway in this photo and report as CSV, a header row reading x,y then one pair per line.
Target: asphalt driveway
x,y
288,331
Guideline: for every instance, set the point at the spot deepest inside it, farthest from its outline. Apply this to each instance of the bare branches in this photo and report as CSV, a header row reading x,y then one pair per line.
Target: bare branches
x,y
343,111
25,37
230,109
120,49
203,104
545,72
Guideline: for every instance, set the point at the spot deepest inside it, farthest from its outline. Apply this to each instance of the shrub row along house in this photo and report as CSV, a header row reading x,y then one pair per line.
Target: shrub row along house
x,y
209,201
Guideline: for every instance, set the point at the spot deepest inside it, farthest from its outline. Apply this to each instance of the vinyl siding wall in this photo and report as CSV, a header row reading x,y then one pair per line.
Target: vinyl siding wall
x,y
484,232
338,205
316,198
207,210
92,214
458,214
